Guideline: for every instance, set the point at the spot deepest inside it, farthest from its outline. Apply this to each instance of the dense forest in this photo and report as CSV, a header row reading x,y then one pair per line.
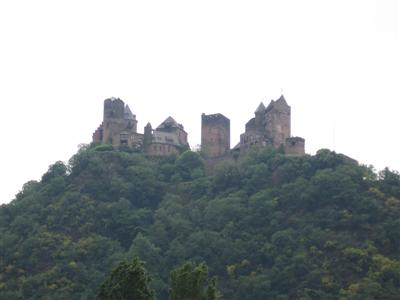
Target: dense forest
x,y
268,226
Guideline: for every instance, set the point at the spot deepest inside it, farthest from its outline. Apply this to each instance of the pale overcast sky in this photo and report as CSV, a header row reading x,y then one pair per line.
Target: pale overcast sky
x,y
338,63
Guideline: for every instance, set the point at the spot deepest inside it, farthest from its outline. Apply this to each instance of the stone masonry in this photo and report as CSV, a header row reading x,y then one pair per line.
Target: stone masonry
x,y
119,127
270,127
215,135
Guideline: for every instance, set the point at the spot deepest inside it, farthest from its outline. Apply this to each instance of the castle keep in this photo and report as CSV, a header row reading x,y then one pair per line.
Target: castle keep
x,y
270,127
215,135
119,127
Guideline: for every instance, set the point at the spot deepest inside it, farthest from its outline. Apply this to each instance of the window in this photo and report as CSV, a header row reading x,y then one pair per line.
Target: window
x,y
123,137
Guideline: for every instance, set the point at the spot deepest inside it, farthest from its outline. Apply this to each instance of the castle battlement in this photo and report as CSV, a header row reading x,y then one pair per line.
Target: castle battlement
x,y
214,117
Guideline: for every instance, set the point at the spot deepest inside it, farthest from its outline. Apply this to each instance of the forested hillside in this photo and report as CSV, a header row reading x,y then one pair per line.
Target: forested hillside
x,y
268,226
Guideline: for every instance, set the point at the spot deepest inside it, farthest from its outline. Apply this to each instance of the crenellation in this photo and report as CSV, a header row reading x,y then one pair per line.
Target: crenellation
x,y
294,146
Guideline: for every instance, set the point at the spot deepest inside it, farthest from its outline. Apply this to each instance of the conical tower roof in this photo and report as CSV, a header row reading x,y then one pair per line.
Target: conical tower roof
x,y
260,108
270,106
128,115
282,100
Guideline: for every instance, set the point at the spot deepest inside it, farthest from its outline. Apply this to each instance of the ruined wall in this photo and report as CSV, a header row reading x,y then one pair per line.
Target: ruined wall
x,y
215,135
295,146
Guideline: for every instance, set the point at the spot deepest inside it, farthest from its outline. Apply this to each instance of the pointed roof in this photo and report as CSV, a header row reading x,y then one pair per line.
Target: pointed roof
x,y
169,123
270,106
282,100
128,115
260,108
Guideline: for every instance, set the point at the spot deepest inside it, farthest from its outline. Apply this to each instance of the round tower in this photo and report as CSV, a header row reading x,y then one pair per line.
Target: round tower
x,y
113,120
113,108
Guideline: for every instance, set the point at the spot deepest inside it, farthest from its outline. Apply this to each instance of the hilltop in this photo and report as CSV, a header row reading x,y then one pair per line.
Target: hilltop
x,y
269,226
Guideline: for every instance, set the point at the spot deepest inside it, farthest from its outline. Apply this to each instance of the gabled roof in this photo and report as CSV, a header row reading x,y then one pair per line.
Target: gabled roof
x,y
260,108
169,123
128,115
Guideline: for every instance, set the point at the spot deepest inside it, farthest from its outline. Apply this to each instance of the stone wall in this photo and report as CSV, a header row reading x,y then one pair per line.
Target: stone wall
x,y
295,146
277,125
113,109
215,135
161,149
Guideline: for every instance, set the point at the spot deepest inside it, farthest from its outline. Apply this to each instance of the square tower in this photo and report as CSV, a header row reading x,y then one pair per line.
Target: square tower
x,y
215,135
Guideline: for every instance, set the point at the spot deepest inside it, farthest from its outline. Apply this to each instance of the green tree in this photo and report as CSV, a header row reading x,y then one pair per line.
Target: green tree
x,y
190,282
189,165
128,281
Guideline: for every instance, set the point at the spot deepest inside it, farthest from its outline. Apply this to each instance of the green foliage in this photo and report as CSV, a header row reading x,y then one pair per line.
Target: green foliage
x,y
268,226
189,165
129,280
191,282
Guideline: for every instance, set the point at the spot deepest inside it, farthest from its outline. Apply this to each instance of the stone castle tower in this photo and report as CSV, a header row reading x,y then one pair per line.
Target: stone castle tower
x,y
215,135
271,127
119,127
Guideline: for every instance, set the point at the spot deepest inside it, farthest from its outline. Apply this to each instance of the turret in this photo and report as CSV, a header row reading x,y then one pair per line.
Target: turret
x,y
260,117
277,121
148,136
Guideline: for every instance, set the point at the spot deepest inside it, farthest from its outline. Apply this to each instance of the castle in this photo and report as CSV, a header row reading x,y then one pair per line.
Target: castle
x,y
270,127
119,127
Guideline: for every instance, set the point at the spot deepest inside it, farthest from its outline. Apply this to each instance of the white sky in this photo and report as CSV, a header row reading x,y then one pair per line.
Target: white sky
x,y
338,63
